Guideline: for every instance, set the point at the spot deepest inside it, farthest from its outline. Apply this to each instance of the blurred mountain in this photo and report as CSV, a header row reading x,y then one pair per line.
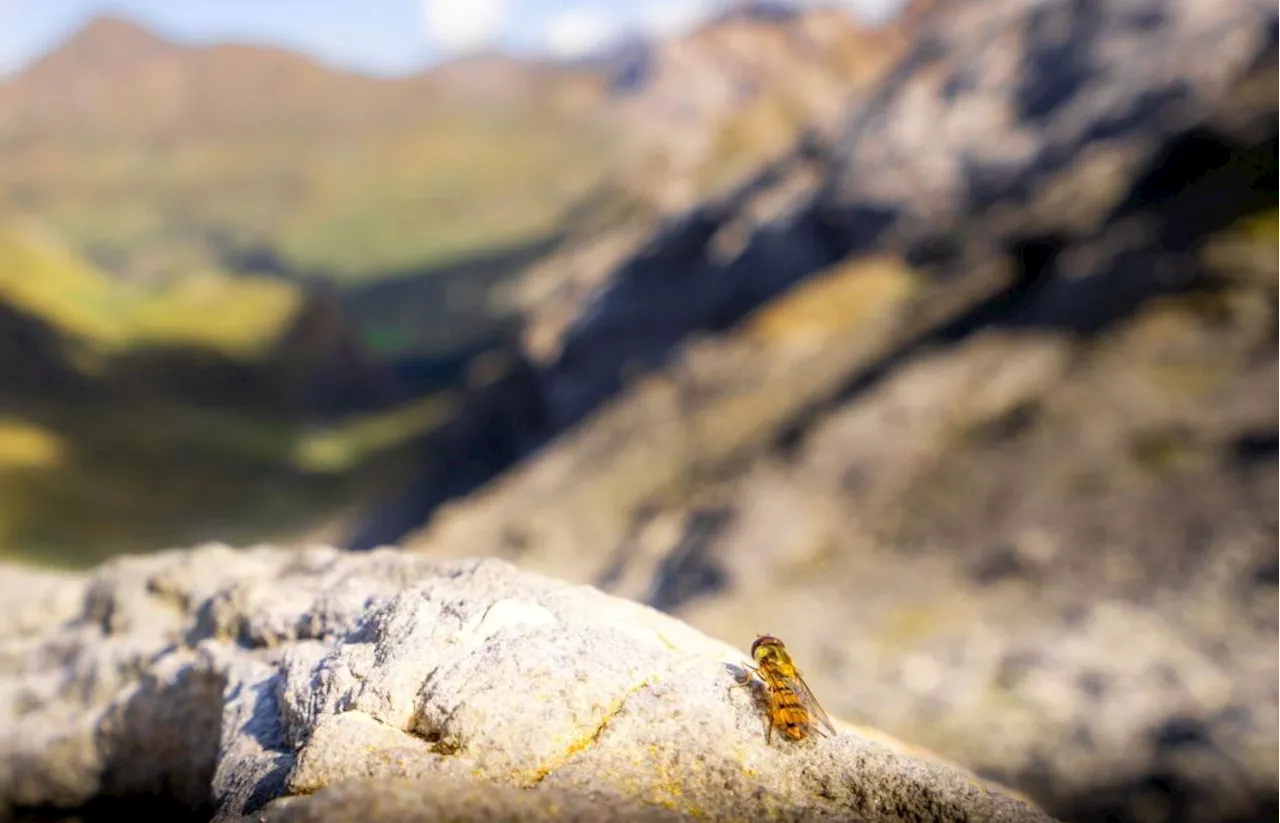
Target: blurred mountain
x,y
305,257
702,113
710,106
157,161
155,158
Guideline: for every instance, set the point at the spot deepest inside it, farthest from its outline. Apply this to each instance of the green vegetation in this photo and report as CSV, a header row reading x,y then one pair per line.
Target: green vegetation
x,y
458,189
26,446
134,466
88,484
41,277
335,449
317,174
1263,227
163,220
80,484
346,213
252,159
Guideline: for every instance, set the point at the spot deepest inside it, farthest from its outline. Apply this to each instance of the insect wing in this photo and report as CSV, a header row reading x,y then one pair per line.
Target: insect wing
x,y
810,703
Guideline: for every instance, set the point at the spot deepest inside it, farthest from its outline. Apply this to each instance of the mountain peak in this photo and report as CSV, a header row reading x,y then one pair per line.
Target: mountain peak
x,y
110,37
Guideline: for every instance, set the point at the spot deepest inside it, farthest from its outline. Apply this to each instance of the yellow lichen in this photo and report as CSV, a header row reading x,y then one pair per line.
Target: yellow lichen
x,y
581,742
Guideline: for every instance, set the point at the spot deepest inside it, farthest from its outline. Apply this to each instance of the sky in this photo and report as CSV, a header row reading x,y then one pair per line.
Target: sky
x,y
386,37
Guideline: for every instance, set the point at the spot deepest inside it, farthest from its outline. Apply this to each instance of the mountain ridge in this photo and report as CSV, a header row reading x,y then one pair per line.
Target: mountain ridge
x,y
123,75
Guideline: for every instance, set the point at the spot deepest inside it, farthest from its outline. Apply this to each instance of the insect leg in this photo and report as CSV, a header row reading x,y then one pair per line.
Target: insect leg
x,y
744,680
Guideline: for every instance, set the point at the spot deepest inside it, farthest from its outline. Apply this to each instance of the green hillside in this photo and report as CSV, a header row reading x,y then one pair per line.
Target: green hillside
x,y
156,159
165,213
103,451
43,277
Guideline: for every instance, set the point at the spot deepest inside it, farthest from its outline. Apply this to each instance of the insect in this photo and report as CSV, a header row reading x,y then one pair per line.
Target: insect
x,y
793,709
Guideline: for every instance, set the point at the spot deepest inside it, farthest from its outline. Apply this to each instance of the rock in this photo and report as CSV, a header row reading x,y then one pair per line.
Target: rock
x,y
1012,117
387,684
739,89
962,152
406,800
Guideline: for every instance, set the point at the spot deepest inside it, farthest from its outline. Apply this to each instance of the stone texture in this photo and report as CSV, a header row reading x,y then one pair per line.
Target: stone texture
x,y
407,800
1006,122
220,679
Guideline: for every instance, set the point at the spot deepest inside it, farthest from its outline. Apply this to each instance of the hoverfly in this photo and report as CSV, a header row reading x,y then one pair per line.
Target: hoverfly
x,y
793,709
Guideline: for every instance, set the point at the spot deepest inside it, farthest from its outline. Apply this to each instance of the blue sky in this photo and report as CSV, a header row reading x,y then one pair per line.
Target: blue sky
x,y
376,36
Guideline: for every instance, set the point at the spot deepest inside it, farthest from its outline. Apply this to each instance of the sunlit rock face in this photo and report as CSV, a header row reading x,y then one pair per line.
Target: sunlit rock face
x,y
222,680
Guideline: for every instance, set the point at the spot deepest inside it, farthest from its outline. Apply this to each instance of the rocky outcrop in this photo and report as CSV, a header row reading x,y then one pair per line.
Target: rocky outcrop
x,y
699,115
383,685
1010,130
711,106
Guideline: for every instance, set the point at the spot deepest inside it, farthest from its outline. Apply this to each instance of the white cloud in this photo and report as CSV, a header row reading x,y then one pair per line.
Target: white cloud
x,y
873,12
672,18
579,32
464,25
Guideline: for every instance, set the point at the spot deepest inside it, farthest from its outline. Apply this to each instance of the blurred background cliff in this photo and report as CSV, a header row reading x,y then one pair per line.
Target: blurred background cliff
x,y
939,339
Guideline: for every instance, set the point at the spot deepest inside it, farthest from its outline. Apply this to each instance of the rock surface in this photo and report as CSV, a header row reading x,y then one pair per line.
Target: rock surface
x,y
710,106
428,800
1008,124
227,680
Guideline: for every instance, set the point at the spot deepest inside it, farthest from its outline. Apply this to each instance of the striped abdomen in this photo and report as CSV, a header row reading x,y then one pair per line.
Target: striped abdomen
x,y
788,713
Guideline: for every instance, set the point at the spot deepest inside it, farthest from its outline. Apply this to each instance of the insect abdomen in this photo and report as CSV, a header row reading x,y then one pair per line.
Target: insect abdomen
x,y
790,715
